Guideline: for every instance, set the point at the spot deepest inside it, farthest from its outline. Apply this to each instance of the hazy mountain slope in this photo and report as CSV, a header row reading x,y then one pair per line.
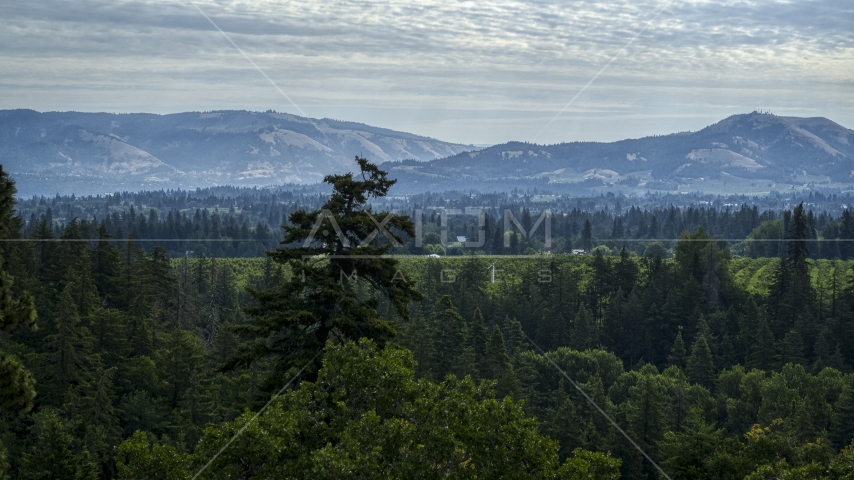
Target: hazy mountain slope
x,y
101,152
754,148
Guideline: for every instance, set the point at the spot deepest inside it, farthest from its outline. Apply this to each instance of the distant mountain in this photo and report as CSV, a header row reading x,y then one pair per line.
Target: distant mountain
x,y
749,153
71,152
83,153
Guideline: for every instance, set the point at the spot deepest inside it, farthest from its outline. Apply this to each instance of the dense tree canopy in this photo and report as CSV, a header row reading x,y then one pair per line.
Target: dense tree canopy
x,y
716,364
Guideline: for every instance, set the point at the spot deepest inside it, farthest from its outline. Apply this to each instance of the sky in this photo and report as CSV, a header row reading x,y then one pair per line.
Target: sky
x,y
473,72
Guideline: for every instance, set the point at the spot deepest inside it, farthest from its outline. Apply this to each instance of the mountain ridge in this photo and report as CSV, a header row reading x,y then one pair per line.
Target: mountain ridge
x,y
73,152
101,152
757,151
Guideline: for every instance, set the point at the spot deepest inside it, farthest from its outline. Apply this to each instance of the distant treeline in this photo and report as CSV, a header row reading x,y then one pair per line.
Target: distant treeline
x,y
241,222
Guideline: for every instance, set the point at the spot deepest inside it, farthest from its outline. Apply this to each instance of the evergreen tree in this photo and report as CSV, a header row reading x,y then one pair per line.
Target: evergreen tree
x,y
496,365
16,383
700,364
470,286
180,358
137,458
106,266
617,229
97,423
68,355
677,352
552,331
85,292
69,249
4,463
417,335
322,299
842,425
584,334
601,285
792,348
478,340
763,354
799,234
17,386
515,340
449,339
646,413
53,454
695,452
45,250
108,328
587,236
792,296
131,265
625,273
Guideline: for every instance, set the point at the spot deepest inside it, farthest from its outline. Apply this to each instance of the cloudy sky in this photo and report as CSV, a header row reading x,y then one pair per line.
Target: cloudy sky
x,y
467,71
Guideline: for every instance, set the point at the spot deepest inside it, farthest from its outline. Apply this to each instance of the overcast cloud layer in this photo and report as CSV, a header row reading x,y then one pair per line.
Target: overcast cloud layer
x,y
470,72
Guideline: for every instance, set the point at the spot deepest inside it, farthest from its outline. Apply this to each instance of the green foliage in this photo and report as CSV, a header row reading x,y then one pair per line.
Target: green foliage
x,y
131,343
761,241
54,454
699,451
701,367
17,388
368,417
677,356
496,365
4,462
449,341
137,458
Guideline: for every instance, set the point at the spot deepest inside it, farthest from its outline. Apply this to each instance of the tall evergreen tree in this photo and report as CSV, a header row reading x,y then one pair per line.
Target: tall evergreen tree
x,y
625,273
792,348
763,354
417,335
677,356
16,383
17,386
477,339
799,233
514,336
646,414
449,339
842,425
496,365
587,236
96,420
792,296
601,284
342,252
584,334
54,454
700,364
69,357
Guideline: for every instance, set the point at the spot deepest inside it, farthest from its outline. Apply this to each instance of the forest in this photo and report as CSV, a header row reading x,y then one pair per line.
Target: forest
x,y
229,222
696,358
